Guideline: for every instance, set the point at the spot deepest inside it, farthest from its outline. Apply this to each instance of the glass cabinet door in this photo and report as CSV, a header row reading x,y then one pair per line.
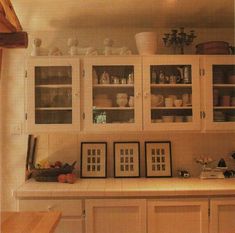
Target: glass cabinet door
x,y
171,93
113,100
220,92
53,97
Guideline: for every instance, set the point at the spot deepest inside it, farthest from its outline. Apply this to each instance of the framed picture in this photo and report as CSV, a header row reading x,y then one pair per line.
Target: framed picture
x,y
158,159
93,159
126,159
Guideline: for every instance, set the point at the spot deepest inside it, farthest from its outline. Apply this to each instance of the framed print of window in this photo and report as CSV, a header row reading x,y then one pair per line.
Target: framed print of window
x,y
126,159
158,159
93,159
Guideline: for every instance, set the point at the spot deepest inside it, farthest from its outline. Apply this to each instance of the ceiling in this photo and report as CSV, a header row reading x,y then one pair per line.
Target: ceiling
x,y
36,15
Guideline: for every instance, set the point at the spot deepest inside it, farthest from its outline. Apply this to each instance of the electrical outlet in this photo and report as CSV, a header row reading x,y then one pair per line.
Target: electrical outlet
x,y
16,129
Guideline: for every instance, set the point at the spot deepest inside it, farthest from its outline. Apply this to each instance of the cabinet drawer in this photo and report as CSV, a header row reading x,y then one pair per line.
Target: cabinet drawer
x,y
67,207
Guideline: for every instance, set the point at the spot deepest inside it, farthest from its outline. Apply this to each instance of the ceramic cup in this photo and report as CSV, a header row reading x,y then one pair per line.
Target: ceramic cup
x,y
168,118
179,118
169,102
178,103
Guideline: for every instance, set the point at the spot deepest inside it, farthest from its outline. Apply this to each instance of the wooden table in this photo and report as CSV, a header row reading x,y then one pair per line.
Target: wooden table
x,y
29,222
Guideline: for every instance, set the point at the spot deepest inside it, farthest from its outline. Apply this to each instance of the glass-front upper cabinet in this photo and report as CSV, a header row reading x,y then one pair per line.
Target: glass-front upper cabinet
x,y
219,92
171,96
53,94
112,93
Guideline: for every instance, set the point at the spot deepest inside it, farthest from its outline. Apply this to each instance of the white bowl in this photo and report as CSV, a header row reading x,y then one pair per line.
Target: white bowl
x,y
146,42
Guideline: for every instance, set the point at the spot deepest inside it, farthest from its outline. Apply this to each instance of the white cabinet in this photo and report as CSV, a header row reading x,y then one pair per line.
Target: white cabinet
x,y
72,213
171,92
53,102
222,215
116,216
179,215
219,92
132,93
113,93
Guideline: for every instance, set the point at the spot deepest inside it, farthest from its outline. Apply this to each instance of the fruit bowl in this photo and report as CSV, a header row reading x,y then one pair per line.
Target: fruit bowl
x,y
51,174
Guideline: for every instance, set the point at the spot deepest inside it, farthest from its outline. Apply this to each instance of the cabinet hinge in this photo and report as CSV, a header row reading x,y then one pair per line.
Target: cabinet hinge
x,y
202,115
83,115
202,72
25,74
26,116
209,212
83,213
83,73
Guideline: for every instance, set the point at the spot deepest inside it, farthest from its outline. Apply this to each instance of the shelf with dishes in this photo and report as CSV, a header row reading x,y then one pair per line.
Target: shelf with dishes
x,y
54,86
113,108
54,108
179,85
113,85
172,108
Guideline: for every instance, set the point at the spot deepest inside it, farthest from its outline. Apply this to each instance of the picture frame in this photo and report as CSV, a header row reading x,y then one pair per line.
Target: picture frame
x,y
93,160
126,159
158,161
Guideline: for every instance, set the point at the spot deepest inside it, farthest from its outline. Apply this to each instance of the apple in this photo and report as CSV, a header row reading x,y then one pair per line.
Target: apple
x,y
58,164
62,178
71,178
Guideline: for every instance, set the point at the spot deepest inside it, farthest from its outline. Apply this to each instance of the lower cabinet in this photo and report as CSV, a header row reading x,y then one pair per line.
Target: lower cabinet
x,y
173,216
162,215
222,215
72,212
115,215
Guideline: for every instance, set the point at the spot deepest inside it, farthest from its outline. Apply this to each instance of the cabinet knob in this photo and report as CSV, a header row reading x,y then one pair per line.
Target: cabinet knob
x,y
146,94
137,94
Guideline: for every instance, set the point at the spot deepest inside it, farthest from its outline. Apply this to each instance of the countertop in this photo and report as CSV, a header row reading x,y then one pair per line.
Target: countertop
x,y
29,222
129,187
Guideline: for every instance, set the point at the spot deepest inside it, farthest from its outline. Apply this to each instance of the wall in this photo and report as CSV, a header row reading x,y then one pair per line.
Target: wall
x,y
66,147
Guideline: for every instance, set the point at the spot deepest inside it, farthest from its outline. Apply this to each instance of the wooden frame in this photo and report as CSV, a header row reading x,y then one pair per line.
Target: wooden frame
x,y
158,159
93,160
126,159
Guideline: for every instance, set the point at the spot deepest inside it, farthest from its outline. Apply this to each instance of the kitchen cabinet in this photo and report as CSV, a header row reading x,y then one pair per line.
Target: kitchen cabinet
x,y
113,93
72,212
222,215
132,93
187,215
219,92
53,102
171,92
115,215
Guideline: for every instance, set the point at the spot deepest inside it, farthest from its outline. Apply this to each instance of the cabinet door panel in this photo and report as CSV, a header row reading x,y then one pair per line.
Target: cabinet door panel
x,y
116,216
113,93
222,216
219,102
171,92
53,94
69,226
173,216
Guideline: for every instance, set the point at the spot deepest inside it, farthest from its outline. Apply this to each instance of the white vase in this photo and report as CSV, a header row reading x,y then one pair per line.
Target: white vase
x,y
146,43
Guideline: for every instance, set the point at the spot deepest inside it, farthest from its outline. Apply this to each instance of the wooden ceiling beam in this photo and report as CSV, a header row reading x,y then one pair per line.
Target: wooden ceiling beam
x,y
9,22
14,40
